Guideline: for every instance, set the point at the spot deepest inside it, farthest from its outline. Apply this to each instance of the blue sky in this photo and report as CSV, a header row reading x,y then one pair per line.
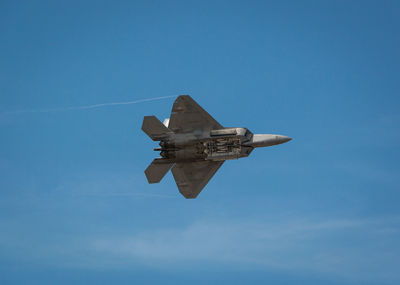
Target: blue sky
x,y
321,209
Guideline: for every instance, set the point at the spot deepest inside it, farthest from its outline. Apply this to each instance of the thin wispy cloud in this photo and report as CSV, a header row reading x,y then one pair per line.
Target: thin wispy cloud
x,y
143,195
85,107
106,184
354,249
341,247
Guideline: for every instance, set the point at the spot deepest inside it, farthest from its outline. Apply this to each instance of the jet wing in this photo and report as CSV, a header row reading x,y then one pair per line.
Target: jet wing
x,y
191,177
187,116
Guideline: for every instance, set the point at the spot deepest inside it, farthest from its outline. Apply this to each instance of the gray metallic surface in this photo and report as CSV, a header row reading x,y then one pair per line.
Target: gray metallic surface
x,y
259,140
191,177
196,145
187,116
157,170
155,129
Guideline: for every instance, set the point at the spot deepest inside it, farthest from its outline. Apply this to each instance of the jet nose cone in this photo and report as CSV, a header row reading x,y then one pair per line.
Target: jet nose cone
x,y
284,139
263,140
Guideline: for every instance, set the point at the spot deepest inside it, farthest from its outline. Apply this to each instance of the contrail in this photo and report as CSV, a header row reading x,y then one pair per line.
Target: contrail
x,y
88,106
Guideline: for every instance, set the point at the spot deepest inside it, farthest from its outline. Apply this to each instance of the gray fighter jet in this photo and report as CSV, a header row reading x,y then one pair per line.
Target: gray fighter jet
x,y
196,145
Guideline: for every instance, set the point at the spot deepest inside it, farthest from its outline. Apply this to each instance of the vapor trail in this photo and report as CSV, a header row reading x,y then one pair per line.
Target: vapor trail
x,y
89,106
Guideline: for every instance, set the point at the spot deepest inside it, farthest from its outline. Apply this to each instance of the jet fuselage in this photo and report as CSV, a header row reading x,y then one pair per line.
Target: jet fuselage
x,y
223,144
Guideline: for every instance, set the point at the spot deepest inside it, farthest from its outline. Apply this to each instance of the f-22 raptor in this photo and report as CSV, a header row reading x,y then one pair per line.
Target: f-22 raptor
x,y
195,145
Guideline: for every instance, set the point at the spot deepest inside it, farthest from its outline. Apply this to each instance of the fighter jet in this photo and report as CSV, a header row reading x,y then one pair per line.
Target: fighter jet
x,y
195,145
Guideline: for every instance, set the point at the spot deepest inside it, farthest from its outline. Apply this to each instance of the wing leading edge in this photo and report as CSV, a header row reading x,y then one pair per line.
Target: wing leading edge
x,y
188,116
192,177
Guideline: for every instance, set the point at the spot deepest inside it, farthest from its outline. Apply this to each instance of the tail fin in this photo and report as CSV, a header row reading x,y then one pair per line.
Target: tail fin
x,y
157,170
154,128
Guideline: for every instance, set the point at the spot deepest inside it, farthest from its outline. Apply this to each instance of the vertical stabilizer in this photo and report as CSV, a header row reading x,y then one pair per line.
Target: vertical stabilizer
x,y
166,122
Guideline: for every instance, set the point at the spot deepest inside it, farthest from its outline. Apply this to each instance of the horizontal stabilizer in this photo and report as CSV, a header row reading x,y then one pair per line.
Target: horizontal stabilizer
x,y
154,128
157,170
